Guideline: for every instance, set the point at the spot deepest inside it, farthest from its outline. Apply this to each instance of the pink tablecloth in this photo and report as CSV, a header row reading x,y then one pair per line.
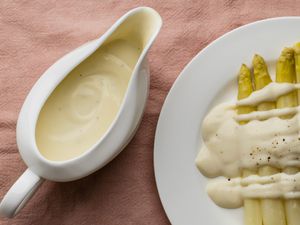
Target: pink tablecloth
x,y
34,34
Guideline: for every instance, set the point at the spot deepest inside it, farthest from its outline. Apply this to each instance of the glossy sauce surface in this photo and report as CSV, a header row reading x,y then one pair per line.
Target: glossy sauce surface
x,y
83,106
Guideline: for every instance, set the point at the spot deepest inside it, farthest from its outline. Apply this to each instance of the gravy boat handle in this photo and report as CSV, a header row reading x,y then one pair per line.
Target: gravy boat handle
x,y
20,193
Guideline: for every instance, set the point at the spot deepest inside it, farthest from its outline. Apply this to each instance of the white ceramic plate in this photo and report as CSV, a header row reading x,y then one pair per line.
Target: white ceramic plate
x,y
209,78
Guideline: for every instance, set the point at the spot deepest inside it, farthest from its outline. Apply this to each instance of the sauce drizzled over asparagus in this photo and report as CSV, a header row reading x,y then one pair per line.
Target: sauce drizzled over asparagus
x,y
268,138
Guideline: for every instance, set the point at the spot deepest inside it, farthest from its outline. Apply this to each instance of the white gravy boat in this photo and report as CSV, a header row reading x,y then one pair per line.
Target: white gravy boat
x,y
142,24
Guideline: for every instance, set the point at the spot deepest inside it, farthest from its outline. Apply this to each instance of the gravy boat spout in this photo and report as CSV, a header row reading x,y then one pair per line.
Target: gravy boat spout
x,y
85,108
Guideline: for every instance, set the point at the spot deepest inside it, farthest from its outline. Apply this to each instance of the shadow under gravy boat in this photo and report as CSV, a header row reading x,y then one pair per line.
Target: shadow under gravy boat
x,y
139,27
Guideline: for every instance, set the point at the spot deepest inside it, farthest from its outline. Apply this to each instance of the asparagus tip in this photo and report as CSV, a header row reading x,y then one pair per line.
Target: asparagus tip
x,y
256,56
297,48
244,67
244,71
287,54
258,60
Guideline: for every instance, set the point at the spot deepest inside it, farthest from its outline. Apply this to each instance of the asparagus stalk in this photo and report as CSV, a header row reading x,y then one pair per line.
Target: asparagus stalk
x,y
285,72
244,90
252,212
273,212
297,65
